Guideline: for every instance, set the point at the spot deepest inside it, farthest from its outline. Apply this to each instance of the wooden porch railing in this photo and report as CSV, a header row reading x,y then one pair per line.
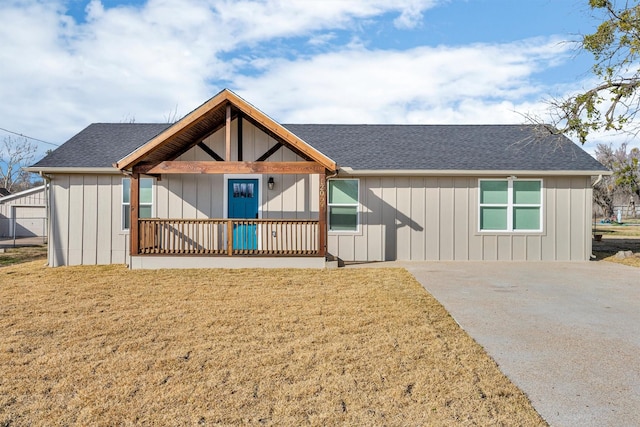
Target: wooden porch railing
x,y
266,237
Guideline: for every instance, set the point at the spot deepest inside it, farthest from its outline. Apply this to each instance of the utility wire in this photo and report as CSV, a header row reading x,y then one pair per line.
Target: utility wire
x,y
25,136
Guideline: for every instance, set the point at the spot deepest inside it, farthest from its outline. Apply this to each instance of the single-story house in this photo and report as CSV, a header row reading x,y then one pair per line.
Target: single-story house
x,y
228,186
24,214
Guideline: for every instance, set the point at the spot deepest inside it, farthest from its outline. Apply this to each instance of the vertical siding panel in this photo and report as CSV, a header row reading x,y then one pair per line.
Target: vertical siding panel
x,y
76,219
175,196
588,212
333,246
218,143
90,219
361,238
418,214
120,249
403,219
275,203
60,220
347,247
261,143
490,248
234,140
189,196
577,219
563,219
216,187
288,186
505,251
314,188
203,196
162,197
389,218
548,240
360,247
461,219
301,195
533,248
432,222
371,192
248,142
519,251
189,190
104,212
446,219
476,241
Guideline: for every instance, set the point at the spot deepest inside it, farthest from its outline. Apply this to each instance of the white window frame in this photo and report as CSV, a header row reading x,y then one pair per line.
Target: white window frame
x,y
123,203
356,205
510,205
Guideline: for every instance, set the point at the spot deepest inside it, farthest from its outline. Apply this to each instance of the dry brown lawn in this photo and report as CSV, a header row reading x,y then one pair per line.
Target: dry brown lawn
x,y
618,238
109,346
22,254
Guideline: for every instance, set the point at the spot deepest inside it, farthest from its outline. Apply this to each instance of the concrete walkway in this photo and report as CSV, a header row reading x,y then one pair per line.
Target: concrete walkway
x,y
567,334
22,241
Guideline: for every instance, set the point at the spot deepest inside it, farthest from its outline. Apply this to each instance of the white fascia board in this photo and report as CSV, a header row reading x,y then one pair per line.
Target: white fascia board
x,y
67,170
346,171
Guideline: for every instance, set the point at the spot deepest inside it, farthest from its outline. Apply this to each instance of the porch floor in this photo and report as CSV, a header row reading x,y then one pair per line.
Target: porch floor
x,y
161,261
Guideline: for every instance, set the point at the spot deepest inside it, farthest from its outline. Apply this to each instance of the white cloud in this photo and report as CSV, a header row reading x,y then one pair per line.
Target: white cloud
x,y
470,84
143,62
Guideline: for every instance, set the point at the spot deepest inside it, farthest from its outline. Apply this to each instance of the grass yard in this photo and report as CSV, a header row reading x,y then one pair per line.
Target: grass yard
x,y
618,238
12,256
106,346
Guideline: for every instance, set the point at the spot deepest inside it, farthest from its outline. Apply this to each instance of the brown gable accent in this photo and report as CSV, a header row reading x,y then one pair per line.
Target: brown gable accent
x,y
195,126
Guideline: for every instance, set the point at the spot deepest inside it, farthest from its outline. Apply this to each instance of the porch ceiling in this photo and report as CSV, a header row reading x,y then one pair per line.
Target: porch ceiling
x,y
209,118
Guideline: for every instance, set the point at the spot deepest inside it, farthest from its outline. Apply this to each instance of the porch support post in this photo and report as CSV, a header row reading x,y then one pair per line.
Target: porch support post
x,y
134,204
227,134
229,237
322,215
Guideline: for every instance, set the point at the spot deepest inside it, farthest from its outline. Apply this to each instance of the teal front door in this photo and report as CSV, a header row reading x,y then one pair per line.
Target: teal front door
x,y
243,203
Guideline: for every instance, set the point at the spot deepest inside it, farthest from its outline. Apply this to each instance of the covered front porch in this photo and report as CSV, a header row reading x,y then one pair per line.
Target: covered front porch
x,y
240,230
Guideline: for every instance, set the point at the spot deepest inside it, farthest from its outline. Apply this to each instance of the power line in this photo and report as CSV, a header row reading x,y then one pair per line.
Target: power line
x,y
25,136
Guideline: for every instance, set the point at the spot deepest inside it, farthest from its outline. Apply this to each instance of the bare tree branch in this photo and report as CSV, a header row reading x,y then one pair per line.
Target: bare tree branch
x,y
15,153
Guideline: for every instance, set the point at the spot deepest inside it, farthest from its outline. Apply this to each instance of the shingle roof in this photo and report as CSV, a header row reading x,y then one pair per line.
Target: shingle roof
x,y
101,145
446,147
368,147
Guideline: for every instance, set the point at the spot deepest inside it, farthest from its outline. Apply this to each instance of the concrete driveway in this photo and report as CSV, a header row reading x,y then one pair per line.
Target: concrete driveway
x,y
567,334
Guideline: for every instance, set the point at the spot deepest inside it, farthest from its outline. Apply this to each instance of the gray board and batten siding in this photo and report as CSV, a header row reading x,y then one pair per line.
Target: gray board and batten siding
x,y
410,207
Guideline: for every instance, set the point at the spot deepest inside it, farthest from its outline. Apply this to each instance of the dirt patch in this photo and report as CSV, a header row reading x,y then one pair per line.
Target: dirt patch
x,y
106,345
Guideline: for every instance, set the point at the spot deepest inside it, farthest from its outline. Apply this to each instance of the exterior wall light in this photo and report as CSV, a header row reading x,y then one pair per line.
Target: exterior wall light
x,y
270,183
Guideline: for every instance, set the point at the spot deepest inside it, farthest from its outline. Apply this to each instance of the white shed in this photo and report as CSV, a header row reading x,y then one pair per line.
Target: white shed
x,y
24,214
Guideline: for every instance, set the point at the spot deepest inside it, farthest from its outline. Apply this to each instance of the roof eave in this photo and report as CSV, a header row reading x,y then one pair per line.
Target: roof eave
x,y
22,193
73,170
347,171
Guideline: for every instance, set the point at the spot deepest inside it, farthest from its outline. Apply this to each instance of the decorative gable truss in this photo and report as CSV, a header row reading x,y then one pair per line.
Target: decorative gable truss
x,y
161,156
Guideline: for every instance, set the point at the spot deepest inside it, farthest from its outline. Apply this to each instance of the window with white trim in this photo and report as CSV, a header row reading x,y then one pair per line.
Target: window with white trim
x,y
343,205
146,200
510,205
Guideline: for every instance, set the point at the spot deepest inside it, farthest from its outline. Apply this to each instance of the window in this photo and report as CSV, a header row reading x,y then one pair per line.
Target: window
x,y
146,200
343,204
510,205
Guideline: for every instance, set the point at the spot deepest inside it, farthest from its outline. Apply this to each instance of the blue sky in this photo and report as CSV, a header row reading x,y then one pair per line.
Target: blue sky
x,y
68,63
